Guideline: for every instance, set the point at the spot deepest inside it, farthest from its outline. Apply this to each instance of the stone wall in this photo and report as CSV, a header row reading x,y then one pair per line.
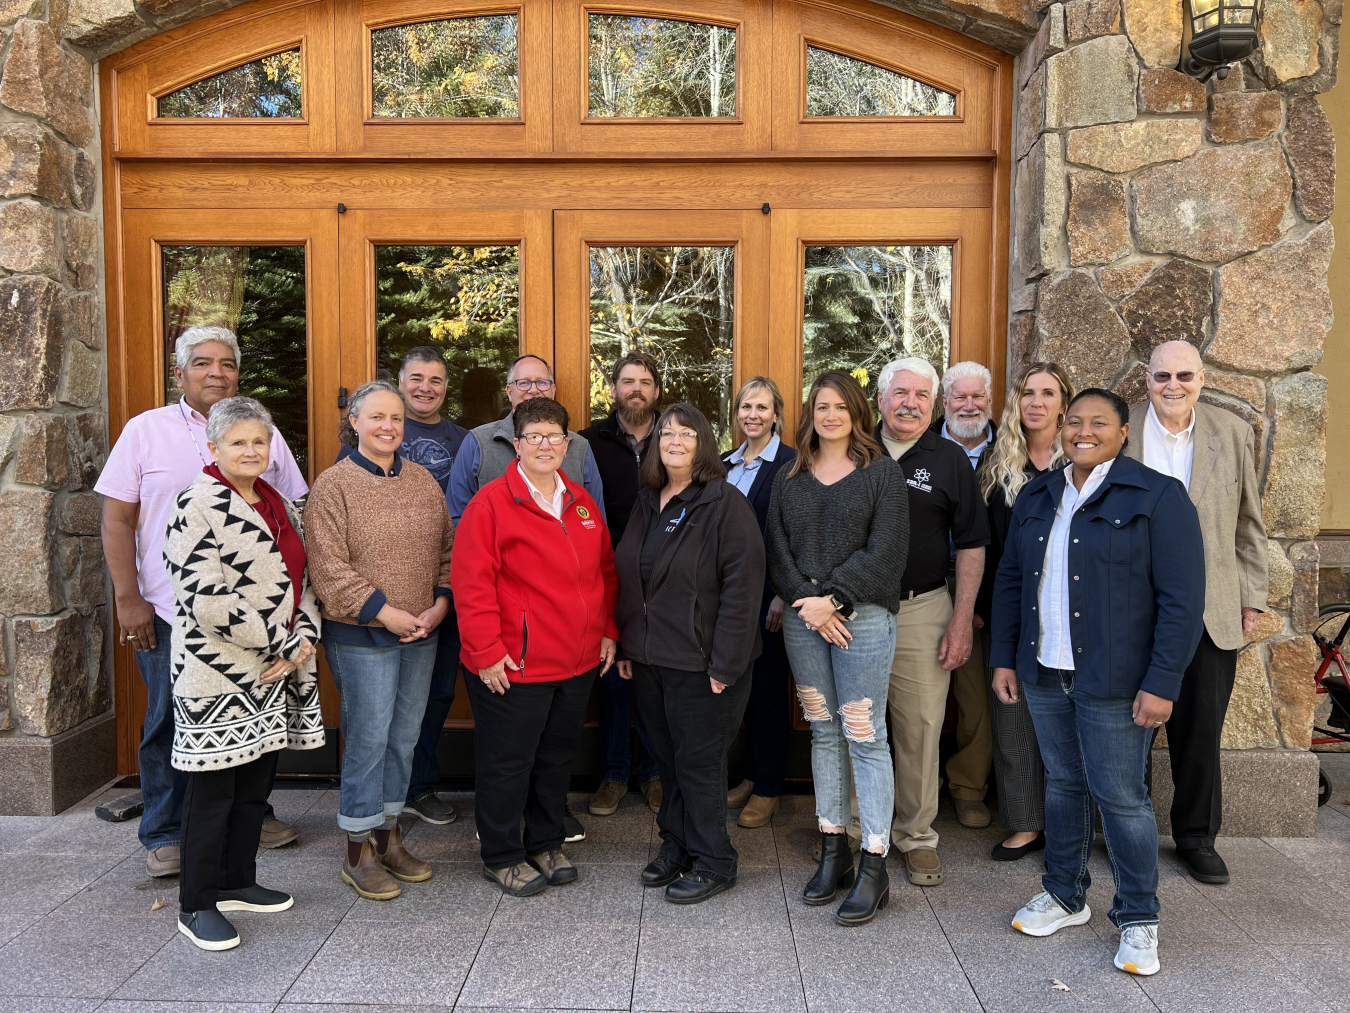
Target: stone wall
x,y
1151,207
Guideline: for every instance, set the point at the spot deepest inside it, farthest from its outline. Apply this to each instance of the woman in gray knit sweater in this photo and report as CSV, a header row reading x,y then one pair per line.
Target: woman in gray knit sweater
x,y
836,541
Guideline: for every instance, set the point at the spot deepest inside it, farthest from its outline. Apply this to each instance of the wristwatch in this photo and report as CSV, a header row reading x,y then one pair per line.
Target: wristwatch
x,y
844,608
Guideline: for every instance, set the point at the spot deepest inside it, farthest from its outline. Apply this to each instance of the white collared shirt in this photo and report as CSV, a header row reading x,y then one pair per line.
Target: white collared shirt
x,y
1171,453
1055,646
742,475
551,505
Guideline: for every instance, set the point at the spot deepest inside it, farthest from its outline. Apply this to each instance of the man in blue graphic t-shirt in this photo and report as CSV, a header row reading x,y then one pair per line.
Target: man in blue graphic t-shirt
x,y
432,442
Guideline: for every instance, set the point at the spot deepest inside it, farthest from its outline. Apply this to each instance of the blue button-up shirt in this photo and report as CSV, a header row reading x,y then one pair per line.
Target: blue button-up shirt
x,y
742,475
975,454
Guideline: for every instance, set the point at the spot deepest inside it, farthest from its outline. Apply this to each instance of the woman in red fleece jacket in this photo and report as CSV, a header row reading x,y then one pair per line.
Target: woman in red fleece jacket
x,y
534,583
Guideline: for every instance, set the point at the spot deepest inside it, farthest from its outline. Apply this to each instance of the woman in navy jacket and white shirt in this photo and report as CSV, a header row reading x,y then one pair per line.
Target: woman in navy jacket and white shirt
x,y
751,468
1098,607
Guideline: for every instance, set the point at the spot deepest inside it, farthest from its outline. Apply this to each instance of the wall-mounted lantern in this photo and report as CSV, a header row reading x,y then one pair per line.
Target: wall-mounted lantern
x,y
1218,33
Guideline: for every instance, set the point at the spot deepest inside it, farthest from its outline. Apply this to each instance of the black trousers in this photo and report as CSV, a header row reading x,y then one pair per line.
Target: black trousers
x,y
524,743
222,818
1193,733
691,729
767,717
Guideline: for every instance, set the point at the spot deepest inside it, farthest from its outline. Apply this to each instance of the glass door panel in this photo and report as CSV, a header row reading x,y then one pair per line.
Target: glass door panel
x,y
689,288
855,289
271,277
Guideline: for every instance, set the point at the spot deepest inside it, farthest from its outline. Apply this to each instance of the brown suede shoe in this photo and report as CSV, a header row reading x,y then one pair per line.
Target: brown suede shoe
x,y
555,867
758,811
369,877
739,795
923,866
519,880
605,801
651,793
400,864
276,834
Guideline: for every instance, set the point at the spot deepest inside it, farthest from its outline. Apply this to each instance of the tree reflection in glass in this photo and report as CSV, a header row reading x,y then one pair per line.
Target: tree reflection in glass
x,y
460,68
839,85
676,303
867,305
464,300
656,67
266,88
258,292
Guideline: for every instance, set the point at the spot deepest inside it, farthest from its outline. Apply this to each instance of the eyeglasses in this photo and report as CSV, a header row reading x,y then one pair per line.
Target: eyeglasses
x,y
534,439
1185,376
525,386
684,435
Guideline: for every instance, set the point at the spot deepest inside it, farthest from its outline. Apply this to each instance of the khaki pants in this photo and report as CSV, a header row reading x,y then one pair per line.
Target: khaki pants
x,y
917,704
968,767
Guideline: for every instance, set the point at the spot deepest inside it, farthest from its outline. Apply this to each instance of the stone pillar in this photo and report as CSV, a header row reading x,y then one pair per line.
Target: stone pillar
x,y
1151,207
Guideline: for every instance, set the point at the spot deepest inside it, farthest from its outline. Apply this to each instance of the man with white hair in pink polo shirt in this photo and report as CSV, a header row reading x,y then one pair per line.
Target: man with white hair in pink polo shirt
x,y
158,455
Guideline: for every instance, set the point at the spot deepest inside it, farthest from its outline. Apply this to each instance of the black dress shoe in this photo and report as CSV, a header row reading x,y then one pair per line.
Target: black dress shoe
x,y
871,891
835,870
254,898
1205,864
1002,854
662,871
208,929
696,887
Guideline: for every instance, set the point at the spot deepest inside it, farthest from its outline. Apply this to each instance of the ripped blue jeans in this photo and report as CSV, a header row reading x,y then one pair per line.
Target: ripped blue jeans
x,y
843,695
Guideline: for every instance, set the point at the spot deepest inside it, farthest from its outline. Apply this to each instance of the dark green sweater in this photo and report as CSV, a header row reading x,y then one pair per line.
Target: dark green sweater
x,y
852,537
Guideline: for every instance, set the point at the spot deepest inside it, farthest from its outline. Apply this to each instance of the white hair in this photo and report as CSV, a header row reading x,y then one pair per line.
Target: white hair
x,y
913,364
194,336
965,371
229,412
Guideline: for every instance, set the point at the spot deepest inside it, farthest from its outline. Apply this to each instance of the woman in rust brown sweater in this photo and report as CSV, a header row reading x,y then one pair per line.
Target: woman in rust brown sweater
x,y
378,534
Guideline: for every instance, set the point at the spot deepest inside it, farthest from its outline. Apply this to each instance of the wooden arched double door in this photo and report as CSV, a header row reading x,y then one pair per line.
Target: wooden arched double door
x,y
283,169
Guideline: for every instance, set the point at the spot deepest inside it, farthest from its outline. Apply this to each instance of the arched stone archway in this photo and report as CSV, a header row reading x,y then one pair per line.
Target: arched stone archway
x,y
1144,206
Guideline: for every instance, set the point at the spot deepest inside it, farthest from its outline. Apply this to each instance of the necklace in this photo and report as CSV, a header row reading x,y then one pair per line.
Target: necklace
x,y
191,434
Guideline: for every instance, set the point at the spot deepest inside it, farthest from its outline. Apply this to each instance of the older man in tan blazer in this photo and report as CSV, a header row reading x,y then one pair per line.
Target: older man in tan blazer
x,y
1213,453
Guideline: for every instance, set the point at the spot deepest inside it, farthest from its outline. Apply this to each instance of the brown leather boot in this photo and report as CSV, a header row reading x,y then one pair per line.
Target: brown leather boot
x,y
368,877
758,811
396,859
739,795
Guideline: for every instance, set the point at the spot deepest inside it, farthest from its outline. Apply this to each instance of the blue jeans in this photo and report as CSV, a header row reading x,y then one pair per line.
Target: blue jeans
x,y
162,786
384,697
851,685
1094,751
426,769
613,705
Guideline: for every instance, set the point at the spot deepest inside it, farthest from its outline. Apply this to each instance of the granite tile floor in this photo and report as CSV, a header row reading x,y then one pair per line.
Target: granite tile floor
x,y
82,928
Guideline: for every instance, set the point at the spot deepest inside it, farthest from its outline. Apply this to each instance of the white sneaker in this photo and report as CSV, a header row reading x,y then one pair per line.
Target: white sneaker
x,y
1044,916
1138,951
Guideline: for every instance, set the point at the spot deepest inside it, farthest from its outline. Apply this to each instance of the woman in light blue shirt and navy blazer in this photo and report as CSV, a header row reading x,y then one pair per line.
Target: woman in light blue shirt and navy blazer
x,y
1098,607
751,468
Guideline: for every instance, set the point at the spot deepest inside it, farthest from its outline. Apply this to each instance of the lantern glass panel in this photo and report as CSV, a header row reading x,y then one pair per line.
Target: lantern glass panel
x,y
1204,14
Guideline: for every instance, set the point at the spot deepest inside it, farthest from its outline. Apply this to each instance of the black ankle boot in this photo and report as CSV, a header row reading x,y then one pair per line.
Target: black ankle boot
x,y
835,870
869,894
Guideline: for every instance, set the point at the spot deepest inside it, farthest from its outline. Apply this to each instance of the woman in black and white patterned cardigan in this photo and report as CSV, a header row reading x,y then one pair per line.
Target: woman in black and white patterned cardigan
x,y
244,680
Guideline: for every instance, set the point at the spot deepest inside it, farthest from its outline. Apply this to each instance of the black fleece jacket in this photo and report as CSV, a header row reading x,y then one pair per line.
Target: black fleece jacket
x,y
701,612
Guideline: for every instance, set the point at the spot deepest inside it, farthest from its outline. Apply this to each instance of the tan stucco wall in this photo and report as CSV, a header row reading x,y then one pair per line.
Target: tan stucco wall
x,y
1336,359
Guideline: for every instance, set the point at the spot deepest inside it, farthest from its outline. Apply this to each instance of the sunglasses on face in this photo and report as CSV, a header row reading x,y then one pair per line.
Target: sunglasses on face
x,y
1185,376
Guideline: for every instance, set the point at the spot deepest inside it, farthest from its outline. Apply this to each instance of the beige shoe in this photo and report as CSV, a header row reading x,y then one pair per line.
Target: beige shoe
x,y
651,793
758,811
605,801
275,834
164,861
555,866
739,795
368,877
519,880
923,866
971,813
398,861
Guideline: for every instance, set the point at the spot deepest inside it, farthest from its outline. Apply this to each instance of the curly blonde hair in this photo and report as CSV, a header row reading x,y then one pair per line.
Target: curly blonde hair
x,y
1004,465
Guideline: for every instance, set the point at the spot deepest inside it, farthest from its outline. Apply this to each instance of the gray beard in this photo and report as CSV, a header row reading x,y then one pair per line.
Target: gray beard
x,y
967,430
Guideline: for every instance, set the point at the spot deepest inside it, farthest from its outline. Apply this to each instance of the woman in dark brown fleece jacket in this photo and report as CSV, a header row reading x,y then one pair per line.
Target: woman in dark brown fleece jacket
x,y
691,574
